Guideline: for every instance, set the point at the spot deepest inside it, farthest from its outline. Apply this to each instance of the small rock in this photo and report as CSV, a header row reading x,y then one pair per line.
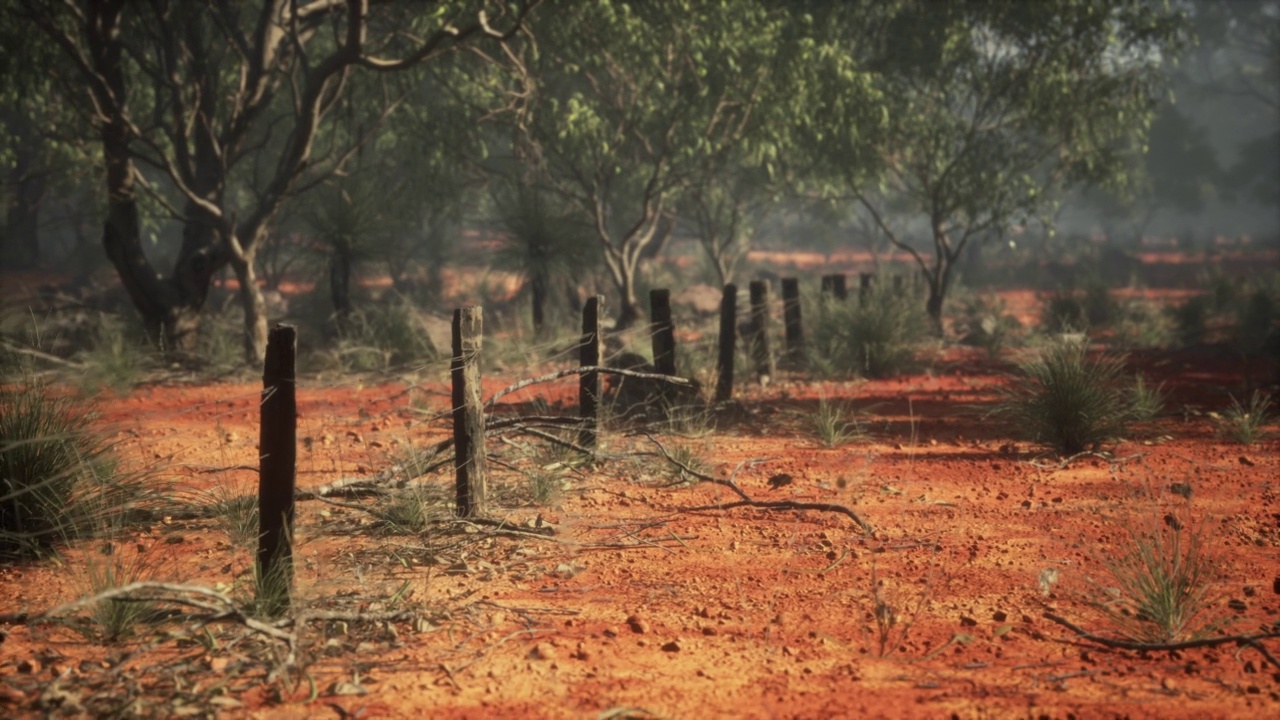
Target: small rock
x,y
671,647
347,688
967,621
999,616
638,625
29,667
1246,461
1168,684
543,651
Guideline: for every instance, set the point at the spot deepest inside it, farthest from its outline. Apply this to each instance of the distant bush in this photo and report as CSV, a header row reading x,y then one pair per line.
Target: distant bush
x,y
1066,400
118,356
1190,320
875,336
985,323
379,336
1145,324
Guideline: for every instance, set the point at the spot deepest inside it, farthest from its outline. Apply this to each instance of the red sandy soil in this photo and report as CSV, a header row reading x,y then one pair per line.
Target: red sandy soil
x,y
639,603
642,607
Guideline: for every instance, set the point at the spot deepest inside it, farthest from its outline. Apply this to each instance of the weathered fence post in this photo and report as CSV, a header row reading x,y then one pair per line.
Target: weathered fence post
x,y
760,330
277,468
728,338
864,286
468,412
835,285
664,334
792,320
589,382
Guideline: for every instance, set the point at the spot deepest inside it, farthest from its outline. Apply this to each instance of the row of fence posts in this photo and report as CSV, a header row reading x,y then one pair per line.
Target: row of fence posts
x,y
277,464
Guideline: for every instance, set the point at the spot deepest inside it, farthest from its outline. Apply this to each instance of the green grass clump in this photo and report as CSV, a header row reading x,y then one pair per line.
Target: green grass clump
x,y
379,336
987,324
1146,401
115,566
57,474
1160,587
1244,422
1066,400
876,336
835,424
118,357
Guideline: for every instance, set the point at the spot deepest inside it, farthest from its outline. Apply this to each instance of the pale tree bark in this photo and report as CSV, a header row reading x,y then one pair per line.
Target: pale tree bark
x,y
199,127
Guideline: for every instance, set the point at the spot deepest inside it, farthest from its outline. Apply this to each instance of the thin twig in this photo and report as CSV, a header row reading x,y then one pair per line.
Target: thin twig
x,y
684,382
1119,644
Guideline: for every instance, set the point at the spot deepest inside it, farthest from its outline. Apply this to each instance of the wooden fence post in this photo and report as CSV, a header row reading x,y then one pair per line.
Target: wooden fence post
x,y
835,285
468,412
277,467
864,286
728,338
664,334
760,330
589,382
792,320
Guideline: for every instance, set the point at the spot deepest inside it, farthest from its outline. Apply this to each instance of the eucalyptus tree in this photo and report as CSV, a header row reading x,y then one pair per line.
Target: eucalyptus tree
x,y
630,102
990,110
215,110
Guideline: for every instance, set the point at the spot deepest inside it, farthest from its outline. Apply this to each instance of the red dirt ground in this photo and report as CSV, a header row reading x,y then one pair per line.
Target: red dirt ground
x,y
639,607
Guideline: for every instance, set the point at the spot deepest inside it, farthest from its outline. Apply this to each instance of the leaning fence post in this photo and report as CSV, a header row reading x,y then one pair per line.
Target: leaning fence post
x,y
760,330
792,320
277,468
864,286
728,338
664,334
468,412
589,382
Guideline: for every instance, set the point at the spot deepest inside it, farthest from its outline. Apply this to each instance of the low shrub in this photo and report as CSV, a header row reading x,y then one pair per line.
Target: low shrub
x,y
59,478
985,323
1066,400
1146,401
875,336
1244,422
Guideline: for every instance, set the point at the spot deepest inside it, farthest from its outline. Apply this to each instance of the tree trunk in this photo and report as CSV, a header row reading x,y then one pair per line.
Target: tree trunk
x,y
538,289
340,280
934,306
629,311
255,310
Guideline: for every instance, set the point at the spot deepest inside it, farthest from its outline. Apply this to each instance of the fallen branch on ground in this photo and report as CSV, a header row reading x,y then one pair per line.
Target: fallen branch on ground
x,y
748,501
1120,644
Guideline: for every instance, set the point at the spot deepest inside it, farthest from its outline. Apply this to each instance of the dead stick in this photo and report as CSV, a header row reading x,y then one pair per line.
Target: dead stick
x,y
1116,643
748,501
